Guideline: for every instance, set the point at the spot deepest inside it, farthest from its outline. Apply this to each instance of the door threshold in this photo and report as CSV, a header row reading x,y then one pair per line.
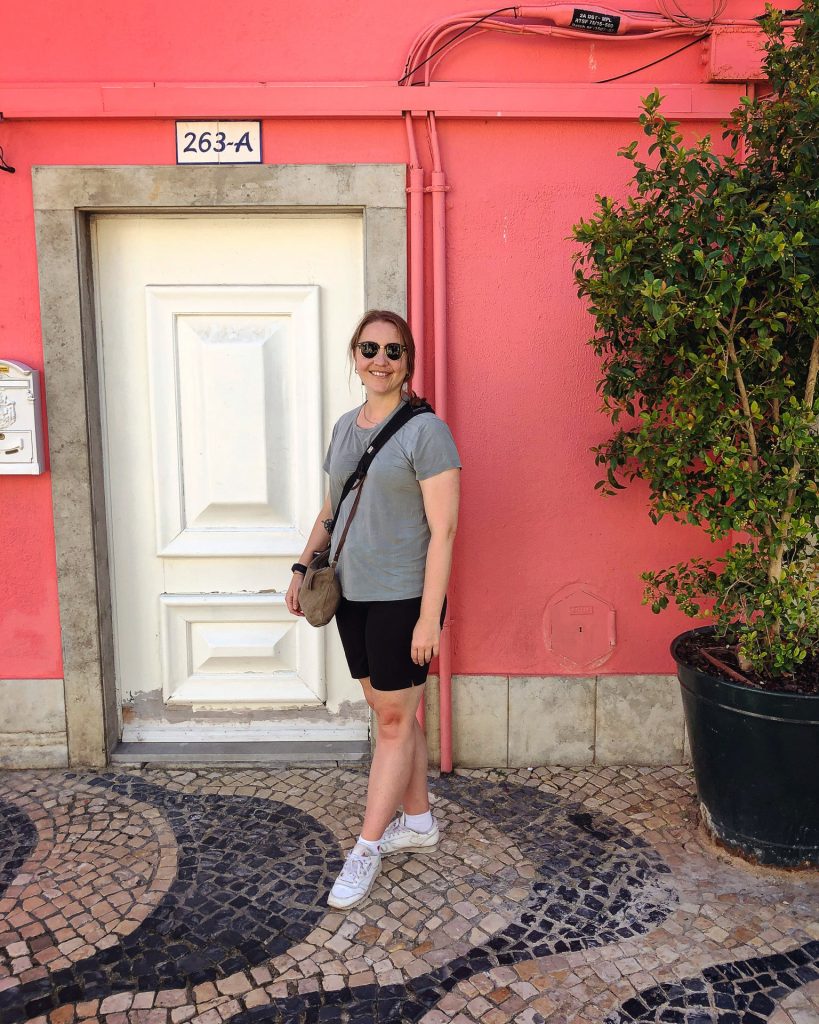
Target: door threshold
x,y
231,752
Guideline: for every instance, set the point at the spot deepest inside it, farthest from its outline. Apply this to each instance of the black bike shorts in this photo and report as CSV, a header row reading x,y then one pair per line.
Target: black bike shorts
x,y
377,641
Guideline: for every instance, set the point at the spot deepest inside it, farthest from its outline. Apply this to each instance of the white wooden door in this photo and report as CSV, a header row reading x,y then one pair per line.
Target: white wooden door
x,y
222,342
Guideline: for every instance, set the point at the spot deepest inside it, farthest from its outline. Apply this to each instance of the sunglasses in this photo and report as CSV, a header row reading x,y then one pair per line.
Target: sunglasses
x,y
370,349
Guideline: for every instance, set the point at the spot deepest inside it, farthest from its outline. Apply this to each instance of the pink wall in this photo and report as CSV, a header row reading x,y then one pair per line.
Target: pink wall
x,y
522,401
326,41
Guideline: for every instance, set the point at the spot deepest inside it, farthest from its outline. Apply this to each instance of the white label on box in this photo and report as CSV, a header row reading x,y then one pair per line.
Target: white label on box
x,y
218,142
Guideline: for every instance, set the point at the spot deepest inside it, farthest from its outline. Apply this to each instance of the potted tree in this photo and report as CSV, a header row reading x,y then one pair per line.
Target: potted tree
x,y
704,286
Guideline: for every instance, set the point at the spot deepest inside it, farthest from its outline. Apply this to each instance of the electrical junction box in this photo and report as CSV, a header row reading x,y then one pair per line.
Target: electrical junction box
x,y
21,423
737,53
579,627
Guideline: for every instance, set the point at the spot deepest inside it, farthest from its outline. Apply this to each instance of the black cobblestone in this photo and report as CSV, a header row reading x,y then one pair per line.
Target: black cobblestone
x,y
750,1001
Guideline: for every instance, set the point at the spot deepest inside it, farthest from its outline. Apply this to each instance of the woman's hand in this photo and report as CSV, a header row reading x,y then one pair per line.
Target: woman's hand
x,y
319,540
426,638
292,597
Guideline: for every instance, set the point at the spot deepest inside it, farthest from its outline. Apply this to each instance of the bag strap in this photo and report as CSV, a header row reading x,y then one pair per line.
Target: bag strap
x,y
347,524
356,479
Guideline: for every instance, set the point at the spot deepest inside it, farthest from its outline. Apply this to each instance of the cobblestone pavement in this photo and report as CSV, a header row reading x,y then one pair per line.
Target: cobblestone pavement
x,y
167,895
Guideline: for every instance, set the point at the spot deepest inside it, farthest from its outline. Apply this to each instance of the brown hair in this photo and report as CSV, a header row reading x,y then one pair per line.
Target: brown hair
x,y
373,316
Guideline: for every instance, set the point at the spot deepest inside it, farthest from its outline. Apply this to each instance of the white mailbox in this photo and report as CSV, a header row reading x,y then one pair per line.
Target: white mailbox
x,y
21,424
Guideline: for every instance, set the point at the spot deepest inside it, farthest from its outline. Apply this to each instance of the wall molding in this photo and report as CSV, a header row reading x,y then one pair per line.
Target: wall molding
x,y
701,101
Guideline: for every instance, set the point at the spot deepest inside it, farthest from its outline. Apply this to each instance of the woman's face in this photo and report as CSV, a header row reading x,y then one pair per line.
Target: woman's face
x,y
381,375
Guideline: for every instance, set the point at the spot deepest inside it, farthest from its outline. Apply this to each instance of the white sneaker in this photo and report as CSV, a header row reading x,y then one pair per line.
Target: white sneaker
x,y
356,879
399,837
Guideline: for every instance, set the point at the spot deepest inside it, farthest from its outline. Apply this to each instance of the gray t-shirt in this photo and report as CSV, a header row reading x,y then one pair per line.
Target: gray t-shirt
x,y
385,553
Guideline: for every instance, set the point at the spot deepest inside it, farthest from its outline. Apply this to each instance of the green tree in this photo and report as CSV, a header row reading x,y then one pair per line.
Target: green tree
x,y
704,287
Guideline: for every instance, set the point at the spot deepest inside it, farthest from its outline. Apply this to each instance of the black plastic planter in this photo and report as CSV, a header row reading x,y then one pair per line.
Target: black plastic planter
x,y
756,764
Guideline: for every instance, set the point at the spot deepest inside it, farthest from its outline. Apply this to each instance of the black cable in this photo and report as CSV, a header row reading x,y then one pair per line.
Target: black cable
x,y
659,60
468,28
701,22
786,14
3,165
501,10
661,14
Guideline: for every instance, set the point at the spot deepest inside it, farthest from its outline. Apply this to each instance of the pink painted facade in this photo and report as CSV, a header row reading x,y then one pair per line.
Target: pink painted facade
x,y
527,139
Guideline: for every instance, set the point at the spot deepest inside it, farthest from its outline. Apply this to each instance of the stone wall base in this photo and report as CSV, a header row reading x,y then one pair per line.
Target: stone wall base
x,y
32,724
497,721
529,721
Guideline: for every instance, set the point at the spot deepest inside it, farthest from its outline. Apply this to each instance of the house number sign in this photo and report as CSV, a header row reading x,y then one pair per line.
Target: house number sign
x,y
218,142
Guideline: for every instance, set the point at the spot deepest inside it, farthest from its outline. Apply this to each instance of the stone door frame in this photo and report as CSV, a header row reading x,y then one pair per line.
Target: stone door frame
x,y
65,199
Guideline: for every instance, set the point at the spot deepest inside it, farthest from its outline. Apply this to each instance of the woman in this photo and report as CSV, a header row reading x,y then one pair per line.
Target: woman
x,y
394,570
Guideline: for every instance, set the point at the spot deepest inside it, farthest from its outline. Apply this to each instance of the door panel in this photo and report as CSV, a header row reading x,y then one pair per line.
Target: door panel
x,y
236,409
234,649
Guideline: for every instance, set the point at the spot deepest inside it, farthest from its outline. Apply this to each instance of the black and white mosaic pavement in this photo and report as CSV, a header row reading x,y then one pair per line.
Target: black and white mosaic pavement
x,y
18,837
596,882
251,881
740,992
535,907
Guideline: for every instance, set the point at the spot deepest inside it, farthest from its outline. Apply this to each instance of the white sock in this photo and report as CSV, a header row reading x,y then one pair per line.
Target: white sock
x,y
369,845
419,822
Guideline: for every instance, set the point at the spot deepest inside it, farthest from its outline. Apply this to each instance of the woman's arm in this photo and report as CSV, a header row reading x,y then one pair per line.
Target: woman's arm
x,y
318,540
441,495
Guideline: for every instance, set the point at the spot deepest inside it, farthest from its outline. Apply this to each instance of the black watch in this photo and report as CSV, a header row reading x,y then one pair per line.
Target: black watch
x,y
298,567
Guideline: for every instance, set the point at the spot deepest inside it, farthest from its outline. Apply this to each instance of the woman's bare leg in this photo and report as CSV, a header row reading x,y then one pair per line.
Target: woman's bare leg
x,y
416,795
415,799
394,761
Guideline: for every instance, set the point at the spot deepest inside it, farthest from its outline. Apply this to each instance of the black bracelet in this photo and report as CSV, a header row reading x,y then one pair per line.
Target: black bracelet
x,y
298,567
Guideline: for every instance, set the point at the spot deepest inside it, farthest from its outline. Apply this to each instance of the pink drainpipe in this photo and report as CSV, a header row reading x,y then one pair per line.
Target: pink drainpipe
x,y
416,224
416,317
438,188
